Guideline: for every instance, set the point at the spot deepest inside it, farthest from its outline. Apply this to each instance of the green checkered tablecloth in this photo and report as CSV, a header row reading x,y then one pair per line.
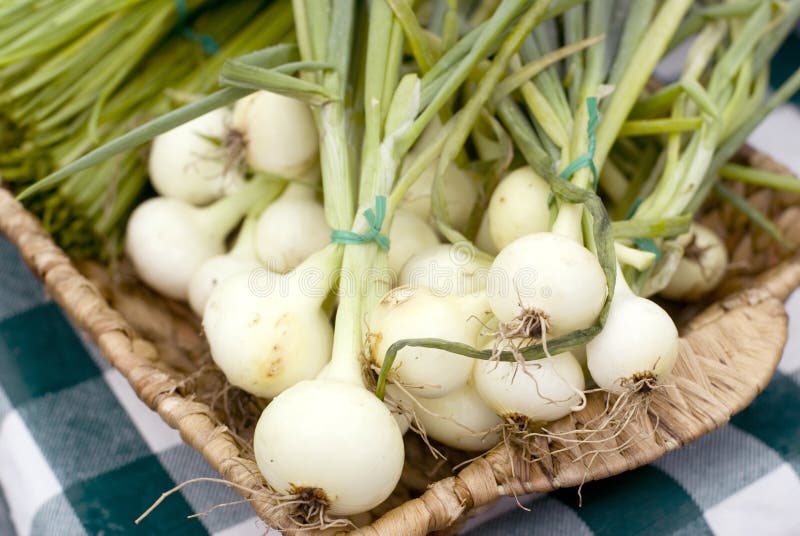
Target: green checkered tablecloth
x,y
80,454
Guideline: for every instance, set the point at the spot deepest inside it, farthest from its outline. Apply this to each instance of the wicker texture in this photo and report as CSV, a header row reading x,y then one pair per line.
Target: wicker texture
x,y
728,353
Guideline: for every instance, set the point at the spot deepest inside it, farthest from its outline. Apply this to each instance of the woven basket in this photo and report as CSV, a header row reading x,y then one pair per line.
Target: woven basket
x,y
728,351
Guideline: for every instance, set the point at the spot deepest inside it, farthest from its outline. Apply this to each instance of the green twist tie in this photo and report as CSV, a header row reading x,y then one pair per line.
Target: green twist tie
x,y
375,219
208,43
587,158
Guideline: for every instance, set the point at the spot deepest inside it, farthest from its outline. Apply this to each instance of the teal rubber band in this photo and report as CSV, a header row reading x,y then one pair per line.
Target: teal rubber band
x,y
634,208
375,220
587,158
180,7
647,244
210,46
208,43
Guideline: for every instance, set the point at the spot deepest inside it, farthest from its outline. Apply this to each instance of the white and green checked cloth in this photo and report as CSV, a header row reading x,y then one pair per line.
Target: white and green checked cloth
x,y
80,454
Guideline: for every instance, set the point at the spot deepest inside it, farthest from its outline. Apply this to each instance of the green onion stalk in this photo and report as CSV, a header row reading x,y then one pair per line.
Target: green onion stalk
x,y
87,212
76,61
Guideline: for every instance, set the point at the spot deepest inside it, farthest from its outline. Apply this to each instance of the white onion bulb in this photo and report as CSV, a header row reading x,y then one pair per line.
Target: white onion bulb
x,y
167,240
407,313
334,437
701,268
267,331
540,391
279,133
291,228
460,420
408,235
638,341
550,274
518,207
445,269
185,165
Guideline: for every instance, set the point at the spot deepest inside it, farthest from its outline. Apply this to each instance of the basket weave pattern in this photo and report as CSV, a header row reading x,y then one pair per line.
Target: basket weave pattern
x,y
727,355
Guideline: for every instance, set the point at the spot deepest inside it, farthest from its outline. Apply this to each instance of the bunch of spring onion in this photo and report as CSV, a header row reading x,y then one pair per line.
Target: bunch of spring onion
x,y
465,223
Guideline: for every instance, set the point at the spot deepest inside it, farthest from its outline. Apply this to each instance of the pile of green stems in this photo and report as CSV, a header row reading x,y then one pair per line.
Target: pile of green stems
x,y
141,61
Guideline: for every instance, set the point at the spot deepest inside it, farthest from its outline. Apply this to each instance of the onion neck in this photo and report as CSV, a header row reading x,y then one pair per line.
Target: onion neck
x,y
622,291
311,176
223,215
641,260
314,278
297,190
346,360
568,222
245,246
